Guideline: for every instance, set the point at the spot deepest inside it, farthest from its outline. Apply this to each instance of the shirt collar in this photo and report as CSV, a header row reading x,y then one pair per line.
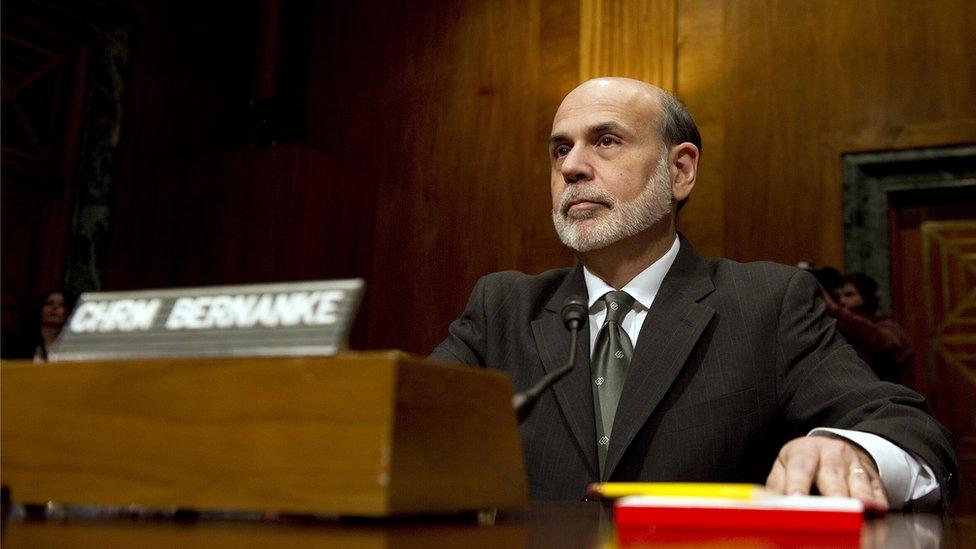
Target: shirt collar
x,y
643,287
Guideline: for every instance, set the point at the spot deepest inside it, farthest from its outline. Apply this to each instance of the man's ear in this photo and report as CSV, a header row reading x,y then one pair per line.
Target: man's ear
x,y
683,162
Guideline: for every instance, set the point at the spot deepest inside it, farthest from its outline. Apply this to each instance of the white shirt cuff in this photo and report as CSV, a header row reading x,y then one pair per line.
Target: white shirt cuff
x,y
907,480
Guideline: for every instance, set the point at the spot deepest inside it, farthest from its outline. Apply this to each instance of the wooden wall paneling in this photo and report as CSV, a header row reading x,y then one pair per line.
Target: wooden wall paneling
x,y
794,74
448,107
699,53
956,131
186,102
772,67
476,201
833,145
557,66
268,214
635,39
893,107
933,244
197,204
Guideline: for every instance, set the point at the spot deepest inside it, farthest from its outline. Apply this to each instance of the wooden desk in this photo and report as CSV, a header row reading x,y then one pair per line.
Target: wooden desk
x,y
542,525
357,434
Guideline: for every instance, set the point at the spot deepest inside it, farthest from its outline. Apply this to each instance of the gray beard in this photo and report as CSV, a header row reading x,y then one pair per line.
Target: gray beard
x,y
624,219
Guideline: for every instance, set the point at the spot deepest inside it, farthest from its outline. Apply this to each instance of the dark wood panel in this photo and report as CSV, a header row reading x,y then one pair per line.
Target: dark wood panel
x,y
253,215
186,100
933,278
424,168
447,107
798,83
45,68
699,53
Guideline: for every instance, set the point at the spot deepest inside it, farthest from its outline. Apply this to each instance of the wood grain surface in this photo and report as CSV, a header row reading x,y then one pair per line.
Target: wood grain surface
x,y
448,109
635,39
300,435
800,83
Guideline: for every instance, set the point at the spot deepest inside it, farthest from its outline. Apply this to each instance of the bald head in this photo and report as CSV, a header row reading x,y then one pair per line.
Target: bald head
x,y
639,96
660,109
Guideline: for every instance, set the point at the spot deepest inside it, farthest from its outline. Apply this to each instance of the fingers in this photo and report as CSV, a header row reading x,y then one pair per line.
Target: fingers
x,y
795,468
851,472
865,484
800,472
836,467
879,495
776,481
859,482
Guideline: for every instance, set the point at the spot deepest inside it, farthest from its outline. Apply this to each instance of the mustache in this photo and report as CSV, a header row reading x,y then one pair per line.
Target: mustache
x,y
578,193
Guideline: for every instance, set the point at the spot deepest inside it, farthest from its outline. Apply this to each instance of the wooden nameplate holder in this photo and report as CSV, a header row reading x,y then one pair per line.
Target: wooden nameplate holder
x,y
357,434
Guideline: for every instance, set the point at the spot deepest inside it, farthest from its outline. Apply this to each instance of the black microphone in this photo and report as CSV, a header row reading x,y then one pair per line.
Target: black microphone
x,y
573,315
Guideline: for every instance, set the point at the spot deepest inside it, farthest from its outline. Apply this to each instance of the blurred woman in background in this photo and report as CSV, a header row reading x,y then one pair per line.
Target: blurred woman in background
x,y
879,341
41,329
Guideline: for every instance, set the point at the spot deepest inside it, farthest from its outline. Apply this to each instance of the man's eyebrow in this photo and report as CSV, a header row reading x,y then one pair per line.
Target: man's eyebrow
x,y
605,127
558,138
601,128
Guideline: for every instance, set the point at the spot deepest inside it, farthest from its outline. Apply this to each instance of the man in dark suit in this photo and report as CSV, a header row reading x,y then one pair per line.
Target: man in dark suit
x,y
693,370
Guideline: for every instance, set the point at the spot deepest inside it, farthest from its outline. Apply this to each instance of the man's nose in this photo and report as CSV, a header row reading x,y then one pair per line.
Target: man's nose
x,y
576,166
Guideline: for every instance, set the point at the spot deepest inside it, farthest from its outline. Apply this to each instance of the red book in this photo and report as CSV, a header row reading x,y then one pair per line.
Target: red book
x,y
781,514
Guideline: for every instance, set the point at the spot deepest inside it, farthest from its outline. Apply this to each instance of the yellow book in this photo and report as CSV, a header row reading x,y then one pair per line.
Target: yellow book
x,y
614,490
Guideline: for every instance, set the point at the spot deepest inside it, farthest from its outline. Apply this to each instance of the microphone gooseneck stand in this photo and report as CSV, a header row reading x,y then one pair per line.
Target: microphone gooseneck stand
x,y
573,313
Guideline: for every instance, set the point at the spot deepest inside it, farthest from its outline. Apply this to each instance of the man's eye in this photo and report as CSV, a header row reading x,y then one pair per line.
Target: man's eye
x,y
607,141
561,150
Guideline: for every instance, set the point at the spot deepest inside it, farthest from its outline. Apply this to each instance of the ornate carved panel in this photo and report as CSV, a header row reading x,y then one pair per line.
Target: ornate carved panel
x,y
43,75
949,270
949,286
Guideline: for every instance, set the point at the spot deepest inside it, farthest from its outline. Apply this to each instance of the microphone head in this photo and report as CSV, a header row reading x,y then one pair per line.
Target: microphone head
x,y
573,312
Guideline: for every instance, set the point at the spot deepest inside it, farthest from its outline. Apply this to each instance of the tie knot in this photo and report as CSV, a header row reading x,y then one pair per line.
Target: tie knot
x,y
618,303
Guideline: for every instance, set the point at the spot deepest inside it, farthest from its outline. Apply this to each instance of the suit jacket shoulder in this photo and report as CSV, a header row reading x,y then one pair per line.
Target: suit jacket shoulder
x,y
501,302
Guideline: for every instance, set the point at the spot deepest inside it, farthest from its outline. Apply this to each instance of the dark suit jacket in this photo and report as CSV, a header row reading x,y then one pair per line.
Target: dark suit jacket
x,y
732,361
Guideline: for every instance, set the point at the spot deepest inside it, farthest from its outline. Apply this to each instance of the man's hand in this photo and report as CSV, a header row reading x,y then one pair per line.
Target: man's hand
x,y
837,467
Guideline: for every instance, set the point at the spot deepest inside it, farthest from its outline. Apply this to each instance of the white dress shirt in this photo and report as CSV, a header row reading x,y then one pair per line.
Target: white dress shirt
x,y
907,480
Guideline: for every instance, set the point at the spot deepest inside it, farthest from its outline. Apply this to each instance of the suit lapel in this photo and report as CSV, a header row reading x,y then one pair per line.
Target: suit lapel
x,y
670,331
573,393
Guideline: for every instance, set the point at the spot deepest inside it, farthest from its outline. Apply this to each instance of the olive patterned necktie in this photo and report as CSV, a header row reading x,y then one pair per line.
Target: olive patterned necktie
x,y
611,356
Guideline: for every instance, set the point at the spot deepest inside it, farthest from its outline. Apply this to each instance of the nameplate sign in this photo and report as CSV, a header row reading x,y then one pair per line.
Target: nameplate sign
x,y
288,319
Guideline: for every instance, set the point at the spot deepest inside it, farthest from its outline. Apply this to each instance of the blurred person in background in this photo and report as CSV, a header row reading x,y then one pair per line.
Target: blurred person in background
x,y
879,341
828,277
42,328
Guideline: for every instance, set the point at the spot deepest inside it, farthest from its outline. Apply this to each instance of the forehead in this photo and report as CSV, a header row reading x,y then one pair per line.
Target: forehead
x,y
591,106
